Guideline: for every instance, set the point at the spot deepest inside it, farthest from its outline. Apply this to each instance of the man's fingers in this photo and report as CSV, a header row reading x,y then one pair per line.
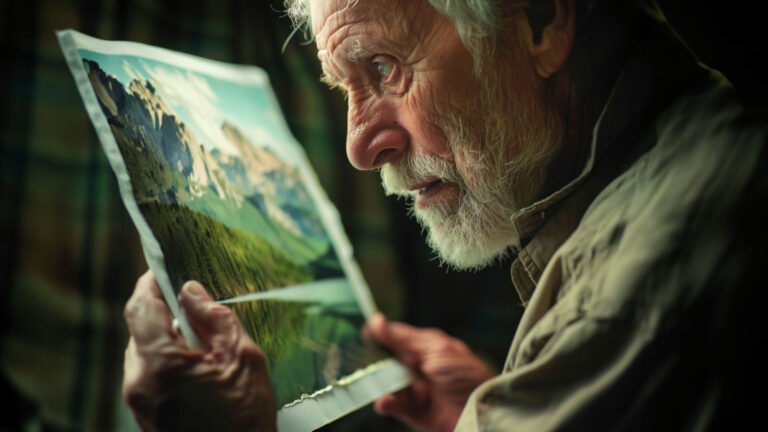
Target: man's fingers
x,y
407,405
408,343
147,315
215,325
394,405
386,405
381,329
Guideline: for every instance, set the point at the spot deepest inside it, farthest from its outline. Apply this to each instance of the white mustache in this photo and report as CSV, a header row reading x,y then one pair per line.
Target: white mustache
x,y
397,177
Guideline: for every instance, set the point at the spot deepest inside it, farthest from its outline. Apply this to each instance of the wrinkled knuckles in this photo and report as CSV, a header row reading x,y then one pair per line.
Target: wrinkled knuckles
x,y
435,333
222,317
459,346
442,344
129,311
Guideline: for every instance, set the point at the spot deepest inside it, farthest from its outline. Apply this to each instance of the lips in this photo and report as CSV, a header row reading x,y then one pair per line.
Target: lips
x,y
428,191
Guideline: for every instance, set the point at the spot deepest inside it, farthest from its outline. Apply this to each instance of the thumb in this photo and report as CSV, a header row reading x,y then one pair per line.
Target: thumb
x,y
214,324
392,405
402,339
406,404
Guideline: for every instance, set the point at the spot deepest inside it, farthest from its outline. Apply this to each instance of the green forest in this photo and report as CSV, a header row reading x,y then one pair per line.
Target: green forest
x,y
227,261
307,346
229,264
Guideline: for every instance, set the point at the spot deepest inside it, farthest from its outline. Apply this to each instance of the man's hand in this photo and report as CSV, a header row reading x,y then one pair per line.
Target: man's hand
x,y
170,386
445,373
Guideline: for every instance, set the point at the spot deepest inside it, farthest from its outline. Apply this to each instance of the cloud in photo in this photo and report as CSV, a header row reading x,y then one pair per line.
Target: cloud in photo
x,y
191,97
132,73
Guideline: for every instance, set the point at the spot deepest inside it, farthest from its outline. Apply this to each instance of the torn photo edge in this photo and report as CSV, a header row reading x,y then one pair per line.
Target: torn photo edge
x,y
310,411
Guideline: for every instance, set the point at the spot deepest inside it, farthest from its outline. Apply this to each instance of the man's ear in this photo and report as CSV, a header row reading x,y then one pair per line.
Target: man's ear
x,y
552,50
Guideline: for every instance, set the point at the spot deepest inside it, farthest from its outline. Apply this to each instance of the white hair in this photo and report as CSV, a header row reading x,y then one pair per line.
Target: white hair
x,y
474,19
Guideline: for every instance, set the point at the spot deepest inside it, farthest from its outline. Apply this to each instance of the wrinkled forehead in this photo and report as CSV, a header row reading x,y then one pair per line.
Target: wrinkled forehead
x,y
333,19
321,12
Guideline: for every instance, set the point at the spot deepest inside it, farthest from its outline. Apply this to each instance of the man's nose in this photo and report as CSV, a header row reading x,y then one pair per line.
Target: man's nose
x,y
373,137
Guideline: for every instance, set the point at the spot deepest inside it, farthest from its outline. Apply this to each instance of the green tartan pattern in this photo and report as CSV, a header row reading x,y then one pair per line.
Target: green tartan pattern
x,y
69,254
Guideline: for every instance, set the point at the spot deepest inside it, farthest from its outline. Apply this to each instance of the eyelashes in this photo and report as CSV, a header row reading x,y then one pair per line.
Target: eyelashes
x,y
379,72
388,72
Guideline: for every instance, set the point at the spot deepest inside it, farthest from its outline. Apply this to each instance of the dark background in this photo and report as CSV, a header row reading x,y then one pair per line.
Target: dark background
x,y
66,274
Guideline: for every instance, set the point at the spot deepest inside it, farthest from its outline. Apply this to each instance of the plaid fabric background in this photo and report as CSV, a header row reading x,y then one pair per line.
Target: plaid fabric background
x,y
69,255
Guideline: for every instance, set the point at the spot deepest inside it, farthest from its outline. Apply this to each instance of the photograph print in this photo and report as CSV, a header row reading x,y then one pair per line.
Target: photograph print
x,y
222,186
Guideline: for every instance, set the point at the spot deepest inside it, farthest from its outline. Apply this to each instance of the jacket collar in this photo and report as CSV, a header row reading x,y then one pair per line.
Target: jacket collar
x,y
658,68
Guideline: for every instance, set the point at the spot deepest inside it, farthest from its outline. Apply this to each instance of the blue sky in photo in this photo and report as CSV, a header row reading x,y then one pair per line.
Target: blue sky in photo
x,y
203,102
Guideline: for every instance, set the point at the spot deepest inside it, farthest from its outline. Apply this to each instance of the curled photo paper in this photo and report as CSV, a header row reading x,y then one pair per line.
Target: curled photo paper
x,y
221,192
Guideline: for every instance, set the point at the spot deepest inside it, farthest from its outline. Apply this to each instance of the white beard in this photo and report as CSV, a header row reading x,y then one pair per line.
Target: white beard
x,y
500,170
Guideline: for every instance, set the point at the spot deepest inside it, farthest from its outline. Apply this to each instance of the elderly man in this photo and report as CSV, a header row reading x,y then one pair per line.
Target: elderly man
x,y
582,138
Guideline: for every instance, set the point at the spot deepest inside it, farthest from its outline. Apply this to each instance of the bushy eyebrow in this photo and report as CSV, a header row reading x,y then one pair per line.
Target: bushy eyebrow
x,y
356,54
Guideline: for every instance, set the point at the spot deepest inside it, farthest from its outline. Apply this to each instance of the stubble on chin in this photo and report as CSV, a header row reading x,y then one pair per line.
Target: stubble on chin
x,y
502,153
464,225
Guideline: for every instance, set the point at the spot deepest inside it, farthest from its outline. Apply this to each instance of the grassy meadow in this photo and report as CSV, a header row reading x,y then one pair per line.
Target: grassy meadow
x,y
237,251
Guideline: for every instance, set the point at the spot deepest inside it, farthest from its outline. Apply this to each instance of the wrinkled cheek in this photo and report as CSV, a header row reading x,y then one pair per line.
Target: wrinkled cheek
x,y
422,115
432,128
469,163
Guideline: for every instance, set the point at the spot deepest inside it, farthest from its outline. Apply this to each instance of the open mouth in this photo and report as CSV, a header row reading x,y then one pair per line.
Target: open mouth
x,y
428,190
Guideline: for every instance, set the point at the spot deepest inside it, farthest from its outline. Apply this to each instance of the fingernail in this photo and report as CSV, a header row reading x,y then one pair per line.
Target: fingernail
x,y
378,319
194,290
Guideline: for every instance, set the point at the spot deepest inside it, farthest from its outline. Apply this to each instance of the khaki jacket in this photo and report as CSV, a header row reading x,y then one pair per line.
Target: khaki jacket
x,y
636,272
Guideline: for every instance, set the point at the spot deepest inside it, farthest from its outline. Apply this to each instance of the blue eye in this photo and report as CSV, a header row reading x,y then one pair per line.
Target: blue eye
x,y
388,73
384,69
